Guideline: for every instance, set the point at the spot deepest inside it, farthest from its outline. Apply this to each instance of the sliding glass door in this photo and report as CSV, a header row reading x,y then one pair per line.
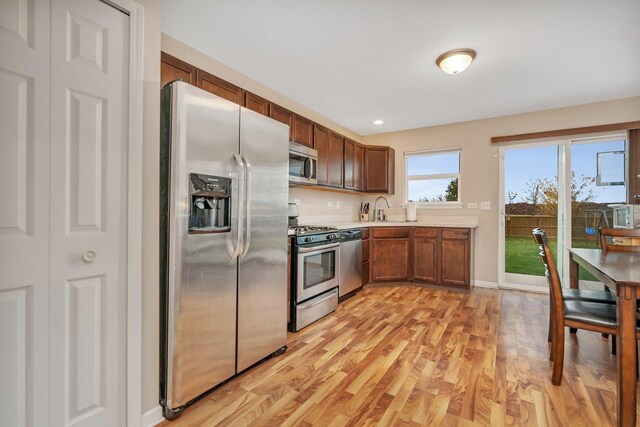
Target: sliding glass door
x,y
564,187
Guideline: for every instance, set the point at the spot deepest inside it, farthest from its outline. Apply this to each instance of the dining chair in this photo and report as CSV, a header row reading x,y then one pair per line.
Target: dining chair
x,y
619,239
586,295
578,314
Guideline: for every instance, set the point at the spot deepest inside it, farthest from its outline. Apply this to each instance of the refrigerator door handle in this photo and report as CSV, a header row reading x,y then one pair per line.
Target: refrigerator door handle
x,y
241,179
247,203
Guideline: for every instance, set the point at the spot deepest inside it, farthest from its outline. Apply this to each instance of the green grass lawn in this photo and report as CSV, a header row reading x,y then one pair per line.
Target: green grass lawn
x,y
521,256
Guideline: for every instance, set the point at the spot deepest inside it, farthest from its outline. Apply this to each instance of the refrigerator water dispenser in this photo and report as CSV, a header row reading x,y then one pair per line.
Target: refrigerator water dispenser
x,y
210,199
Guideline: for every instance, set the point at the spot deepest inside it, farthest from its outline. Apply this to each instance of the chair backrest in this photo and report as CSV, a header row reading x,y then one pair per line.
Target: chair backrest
x,y
550,269
620,239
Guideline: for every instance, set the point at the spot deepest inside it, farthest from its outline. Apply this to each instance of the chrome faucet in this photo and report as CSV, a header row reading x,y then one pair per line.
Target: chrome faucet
x,y
378,214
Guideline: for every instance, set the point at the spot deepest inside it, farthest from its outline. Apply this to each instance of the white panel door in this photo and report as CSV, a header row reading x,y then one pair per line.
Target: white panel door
x,y
89,54
24,212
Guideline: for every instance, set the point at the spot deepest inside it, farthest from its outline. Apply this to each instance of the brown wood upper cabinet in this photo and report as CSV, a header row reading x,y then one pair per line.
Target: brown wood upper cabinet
x,y
330,154
336,159
379,169
172,68
353,165
282,115
255,103
321,142
217,86
302,131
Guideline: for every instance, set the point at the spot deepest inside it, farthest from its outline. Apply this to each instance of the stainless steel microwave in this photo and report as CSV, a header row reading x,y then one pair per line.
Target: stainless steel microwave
x,y
626,216
303,165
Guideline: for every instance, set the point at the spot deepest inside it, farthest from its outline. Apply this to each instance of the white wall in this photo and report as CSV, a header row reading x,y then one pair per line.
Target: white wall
x,y
479,167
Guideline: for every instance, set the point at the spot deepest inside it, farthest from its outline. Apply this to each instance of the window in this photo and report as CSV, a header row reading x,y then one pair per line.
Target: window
x,y
433,177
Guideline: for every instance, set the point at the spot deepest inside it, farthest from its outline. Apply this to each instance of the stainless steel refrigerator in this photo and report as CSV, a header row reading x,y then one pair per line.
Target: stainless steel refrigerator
x,y
224,192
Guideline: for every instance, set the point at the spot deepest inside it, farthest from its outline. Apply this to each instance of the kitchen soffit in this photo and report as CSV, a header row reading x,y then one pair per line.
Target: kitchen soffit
x,y
359,60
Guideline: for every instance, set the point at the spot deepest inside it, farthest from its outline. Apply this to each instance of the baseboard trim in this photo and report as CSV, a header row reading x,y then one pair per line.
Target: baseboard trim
x,y
152,417
525,288
483,284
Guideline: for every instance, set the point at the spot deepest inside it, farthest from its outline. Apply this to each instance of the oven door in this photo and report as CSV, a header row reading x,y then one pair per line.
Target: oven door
x,y
317,270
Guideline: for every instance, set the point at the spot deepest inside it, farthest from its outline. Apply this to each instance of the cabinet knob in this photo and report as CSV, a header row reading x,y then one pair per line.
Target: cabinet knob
x,y
89,256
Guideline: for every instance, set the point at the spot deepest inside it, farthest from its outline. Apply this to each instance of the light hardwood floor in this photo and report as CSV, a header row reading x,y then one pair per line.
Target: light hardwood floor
x,y
407,355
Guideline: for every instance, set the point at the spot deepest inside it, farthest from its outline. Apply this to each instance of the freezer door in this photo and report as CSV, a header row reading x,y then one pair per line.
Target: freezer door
x,y
262,284
202,272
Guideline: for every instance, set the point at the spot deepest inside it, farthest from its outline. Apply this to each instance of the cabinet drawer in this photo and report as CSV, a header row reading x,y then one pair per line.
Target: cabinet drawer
x,y
425,232
390,232
365,233
455,233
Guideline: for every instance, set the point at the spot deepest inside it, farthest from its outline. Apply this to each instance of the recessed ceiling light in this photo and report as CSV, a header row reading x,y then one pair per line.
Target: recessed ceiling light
x,y
378,122
455,61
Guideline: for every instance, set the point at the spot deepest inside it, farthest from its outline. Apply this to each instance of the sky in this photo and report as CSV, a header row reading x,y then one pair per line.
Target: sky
x,y
522,164
432,164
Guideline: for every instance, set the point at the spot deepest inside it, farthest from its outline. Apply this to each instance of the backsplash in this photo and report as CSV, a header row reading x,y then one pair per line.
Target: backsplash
x,y
317,206
318,203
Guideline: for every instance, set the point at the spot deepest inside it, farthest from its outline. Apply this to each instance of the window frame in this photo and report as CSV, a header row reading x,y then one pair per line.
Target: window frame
x,y
434,205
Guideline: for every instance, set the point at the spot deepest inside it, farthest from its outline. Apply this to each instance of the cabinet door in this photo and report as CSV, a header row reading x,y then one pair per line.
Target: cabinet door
x,y
349,163
425,260
454,264
282,115
379,169
336,159
217,86
365,272
256,103
358,167
172,68
353,165
302,131
365,250
389,260
321,141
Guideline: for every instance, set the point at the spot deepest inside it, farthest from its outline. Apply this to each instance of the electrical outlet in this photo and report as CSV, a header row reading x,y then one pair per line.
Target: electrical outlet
x,y
338,205
485,205
472,205
330,204
296,201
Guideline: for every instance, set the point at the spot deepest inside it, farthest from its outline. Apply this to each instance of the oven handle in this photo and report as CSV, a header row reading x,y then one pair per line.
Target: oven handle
x,y
313,304
317,248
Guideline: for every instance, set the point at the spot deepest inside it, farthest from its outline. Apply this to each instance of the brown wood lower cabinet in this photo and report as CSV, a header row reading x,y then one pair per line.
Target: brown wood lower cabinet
x,y
455,259
433,255
425,260
390,251
366,265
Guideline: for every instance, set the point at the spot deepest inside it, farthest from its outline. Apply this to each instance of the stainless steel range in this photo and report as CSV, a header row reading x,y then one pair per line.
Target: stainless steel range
x,y
316,273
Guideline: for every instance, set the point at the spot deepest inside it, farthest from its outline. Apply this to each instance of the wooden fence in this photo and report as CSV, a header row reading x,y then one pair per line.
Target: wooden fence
x,y
521,225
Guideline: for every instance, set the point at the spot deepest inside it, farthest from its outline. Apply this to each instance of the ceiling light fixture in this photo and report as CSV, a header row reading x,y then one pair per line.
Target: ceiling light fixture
x,y
455,61
378,122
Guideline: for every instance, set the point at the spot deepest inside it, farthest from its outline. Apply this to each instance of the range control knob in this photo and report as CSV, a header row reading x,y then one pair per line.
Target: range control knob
x,y
307,239
331,236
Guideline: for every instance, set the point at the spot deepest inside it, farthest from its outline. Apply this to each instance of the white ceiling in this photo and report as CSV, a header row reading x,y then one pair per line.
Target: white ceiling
x,y
355,61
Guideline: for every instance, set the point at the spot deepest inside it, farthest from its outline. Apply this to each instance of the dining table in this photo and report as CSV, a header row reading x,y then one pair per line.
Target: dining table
x,y
620,272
